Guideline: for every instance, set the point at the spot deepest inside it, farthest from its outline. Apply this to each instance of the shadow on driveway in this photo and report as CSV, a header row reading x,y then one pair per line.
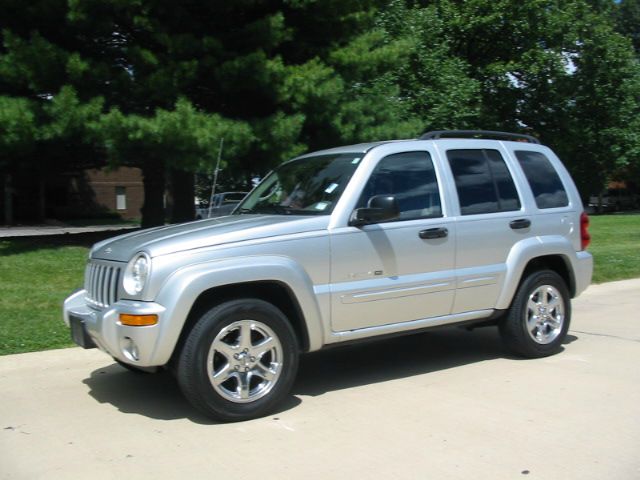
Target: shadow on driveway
x,y
395,358
158,395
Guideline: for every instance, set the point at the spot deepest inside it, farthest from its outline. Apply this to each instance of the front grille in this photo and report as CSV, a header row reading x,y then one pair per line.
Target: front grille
x,y
101,283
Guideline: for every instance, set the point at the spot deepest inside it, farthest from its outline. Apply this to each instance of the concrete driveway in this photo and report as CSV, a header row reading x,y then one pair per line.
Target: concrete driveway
x,y
440,405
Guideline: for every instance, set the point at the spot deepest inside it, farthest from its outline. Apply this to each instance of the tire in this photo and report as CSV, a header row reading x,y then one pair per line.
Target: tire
x,y
537,322
239,361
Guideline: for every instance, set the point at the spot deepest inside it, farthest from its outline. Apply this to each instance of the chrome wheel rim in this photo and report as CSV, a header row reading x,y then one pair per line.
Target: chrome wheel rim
x,y
545,314
244,361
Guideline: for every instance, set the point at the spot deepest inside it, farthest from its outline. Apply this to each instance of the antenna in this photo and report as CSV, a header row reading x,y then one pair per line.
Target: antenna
x,y
215,177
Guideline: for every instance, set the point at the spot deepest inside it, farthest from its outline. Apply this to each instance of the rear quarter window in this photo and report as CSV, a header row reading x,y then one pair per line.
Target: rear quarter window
x,y
545,183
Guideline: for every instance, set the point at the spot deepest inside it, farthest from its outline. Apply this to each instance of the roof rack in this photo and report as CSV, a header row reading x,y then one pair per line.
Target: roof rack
x,y
438,134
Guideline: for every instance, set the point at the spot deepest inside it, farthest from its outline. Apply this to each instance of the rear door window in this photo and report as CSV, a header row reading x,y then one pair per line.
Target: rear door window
x,y
483,182
545,182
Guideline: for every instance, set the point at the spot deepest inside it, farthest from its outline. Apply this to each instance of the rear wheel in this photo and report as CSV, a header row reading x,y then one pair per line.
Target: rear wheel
x,y
538,319
239,361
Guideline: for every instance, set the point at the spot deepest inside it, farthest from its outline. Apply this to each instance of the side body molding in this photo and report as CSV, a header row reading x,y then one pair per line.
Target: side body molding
x,y
182,288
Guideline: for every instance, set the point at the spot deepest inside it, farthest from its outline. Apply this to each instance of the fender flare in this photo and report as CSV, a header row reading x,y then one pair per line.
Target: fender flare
x,y
183,287
523,253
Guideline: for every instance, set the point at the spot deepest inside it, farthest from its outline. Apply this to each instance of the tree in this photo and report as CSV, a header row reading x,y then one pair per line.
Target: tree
x,y
606,93
300,75
626,15
43,137
135,58
155,142
17,133
555,69
276,78
434,82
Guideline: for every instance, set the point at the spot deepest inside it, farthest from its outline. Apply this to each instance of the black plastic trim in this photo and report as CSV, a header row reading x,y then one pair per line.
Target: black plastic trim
x,y
491,134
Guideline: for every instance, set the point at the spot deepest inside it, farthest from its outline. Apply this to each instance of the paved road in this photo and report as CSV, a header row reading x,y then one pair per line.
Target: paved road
x,y
441,405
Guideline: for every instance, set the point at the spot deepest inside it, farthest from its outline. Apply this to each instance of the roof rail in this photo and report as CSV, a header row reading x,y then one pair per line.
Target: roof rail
x,y
438,134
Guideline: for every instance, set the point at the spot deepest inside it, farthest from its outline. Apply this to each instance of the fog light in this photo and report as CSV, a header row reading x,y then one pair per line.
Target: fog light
x,y
130,349
138,320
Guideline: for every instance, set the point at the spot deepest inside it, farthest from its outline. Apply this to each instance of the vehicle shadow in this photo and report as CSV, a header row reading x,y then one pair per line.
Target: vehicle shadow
x,y
158,395
401,357
394,358
154,395
151,395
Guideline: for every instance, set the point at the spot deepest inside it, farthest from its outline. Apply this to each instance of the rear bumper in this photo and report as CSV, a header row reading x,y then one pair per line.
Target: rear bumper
x,y
102,328
583,271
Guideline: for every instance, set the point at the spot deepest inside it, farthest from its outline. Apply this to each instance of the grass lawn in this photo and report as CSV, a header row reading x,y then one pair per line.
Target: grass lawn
x,y
37,274
35,277
615,247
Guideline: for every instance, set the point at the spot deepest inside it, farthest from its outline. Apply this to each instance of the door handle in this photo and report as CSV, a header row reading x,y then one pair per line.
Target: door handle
x,y
520,223
431,233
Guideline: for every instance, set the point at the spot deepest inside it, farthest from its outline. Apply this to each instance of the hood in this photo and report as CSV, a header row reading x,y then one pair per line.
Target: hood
x,y
205,233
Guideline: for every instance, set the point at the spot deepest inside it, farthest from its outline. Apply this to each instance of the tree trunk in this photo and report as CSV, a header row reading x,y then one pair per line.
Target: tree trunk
x,y
600,203
182,195
42,199
153,207
8,200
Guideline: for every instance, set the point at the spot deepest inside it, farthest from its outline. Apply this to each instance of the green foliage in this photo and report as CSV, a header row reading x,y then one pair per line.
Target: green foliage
x,y
626,14
555,69
67,117
164,82
31,64
606,92
433,83
183,136
17,128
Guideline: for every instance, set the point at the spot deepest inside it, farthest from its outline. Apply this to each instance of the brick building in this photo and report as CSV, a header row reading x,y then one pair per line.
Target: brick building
x,y
120,190
80,194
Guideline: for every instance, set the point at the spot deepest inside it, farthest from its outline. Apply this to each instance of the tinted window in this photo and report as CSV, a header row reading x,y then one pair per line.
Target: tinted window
x,y
543,179
411,178
307,186
483,182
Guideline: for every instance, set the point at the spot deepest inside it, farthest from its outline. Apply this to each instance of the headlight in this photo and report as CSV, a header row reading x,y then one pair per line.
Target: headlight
x,y
136,274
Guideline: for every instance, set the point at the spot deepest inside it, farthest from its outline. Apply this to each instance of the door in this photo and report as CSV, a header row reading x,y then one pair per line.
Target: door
x,y
491,221
399,270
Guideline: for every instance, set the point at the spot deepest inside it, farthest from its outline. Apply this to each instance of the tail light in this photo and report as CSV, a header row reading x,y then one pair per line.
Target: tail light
x,y
585,238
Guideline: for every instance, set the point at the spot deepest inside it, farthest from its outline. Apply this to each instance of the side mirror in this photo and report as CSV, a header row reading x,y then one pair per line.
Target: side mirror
x,y
380,208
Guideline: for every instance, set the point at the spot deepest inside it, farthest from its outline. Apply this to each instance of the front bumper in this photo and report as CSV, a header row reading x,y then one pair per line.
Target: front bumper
x,y
132,345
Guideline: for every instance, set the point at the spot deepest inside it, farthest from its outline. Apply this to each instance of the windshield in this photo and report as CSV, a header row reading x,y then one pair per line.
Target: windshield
x,y
309,186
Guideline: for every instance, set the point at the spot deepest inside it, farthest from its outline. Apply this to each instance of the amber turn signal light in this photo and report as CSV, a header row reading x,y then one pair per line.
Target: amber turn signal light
x,y
138,320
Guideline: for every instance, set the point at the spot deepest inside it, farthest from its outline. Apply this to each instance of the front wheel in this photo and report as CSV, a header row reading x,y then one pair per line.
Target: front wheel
x,y
538,319
239,360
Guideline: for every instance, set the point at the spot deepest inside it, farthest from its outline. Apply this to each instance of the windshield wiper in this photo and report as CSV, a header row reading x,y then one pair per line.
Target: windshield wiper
x,y
268,208
278,210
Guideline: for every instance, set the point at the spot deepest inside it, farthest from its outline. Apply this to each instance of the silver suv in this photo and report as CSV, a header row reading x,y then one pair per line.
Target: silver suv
x,y
342,245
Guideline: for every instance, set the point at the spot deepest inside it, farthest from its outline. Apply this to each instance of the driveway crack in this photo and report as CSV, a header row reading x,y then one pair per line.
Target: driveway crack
x,y
607,335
